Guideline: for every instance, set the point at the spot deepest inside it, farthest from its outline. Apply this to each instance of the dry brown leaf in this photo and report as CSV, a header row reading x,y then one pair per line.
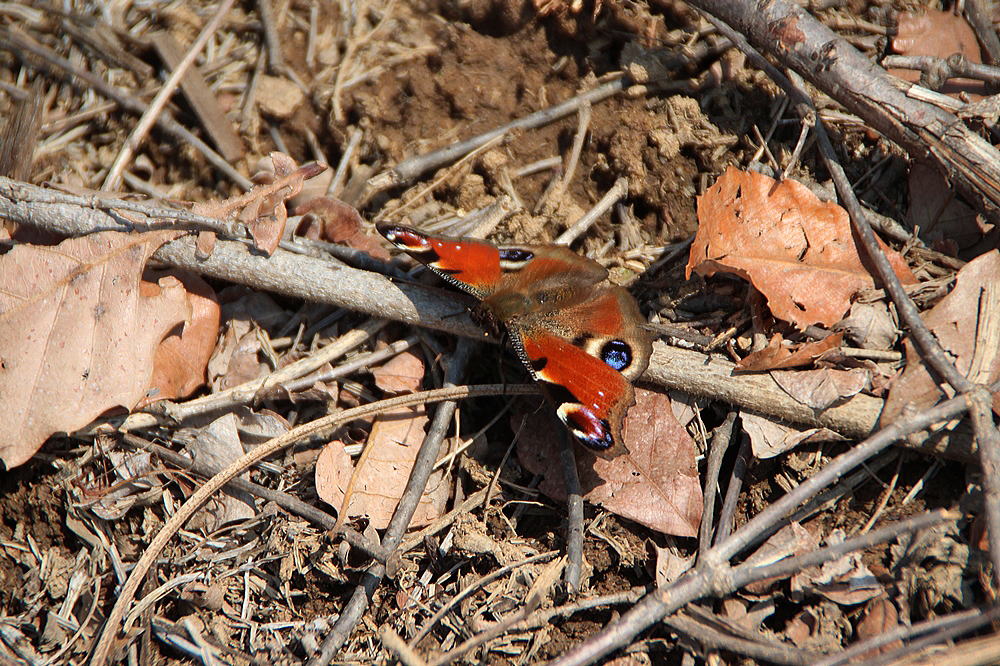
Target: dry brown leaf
x,y
670,564
769,439
76,336
135,482
798,251
944,220
938,33
870,326
403,373
845,581
655,484
791,540
967,324
262,209
235,360
777,356
336,222
181,360
379,483
823,387
880,617
219,444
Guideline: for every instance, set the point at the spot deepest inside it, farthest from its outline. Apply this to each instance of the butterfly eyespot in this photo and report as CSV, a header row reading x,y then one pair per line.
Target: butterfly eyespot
x,y
617,354
516,254
512,258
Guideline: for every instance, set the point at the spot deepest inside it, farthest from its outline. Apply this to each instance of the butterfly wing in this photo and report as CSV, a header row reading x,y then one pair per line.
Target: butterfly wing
x,y
582,340
472,265
586,356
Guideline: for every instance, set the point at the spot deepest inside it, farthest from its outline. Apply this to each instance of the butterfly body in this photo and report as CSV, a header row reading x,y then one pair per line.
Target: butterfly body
x,y
579,336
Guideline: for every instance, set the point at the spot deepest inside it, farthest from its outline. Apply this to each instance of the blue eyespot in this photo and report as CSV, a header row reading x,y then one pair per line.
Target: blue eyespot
x,y
617,354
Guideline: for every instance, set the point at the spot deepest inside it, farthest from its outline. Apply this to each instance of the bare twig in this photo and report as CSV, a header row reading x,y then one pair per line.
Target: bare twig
x,y
937,71
578,228
980,18
799,41
419,474
712,575
720,444
318,281
770,651
942,627
412,168
290,502
574,510
475,586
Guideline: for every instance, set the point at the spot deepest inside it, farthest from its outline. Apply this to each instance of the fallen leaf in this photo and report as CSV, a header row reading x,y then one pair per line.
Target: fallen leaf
x,y
966,322
870,326
76,336
937,211
181,359
256,427
822,628
403,373
235,360
938,33
769,439
880,617
262,209
656,484
845,581
792,539
670,564
134,479
379,483
777,355
798,251
218,444
336,222
823,387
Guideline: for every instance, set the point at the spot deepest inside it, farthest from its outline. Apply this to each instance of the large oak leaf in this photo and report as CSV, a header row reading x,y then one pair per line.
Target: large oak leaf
x,y
76,336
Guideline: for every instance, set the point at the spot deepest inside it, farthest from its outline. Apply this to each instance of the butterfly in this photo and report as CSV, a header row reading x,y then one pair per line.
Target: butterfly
x,y
581,338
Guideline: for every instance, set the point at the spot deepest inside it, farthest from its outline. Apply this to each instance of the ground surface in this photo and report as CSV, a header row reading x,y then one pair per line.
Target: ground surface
x,y
273,584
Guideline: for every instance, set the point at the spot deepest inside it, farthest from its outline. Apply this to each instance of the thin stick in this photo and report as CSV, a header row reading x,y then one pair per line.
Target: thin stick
x,y
474,586
617,191
423,466
574,510
412,168
720,444
85,81
288,502
337,182
713,575
740,466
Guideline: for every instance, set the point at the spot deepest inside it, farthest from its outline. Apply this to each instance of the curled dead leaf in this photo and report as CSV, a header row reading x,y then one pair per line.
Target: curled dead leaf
x,y
798,251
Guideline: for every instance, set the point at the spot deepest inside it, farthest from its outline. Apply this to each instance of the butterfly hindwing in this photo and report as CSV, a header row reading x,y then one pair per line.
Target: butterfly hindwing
x,y
591,397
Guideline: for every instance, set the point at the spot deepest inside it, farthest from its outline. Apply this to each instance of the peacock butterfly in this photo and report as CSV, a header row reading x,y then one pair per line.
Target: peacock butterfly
x,y
580,337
